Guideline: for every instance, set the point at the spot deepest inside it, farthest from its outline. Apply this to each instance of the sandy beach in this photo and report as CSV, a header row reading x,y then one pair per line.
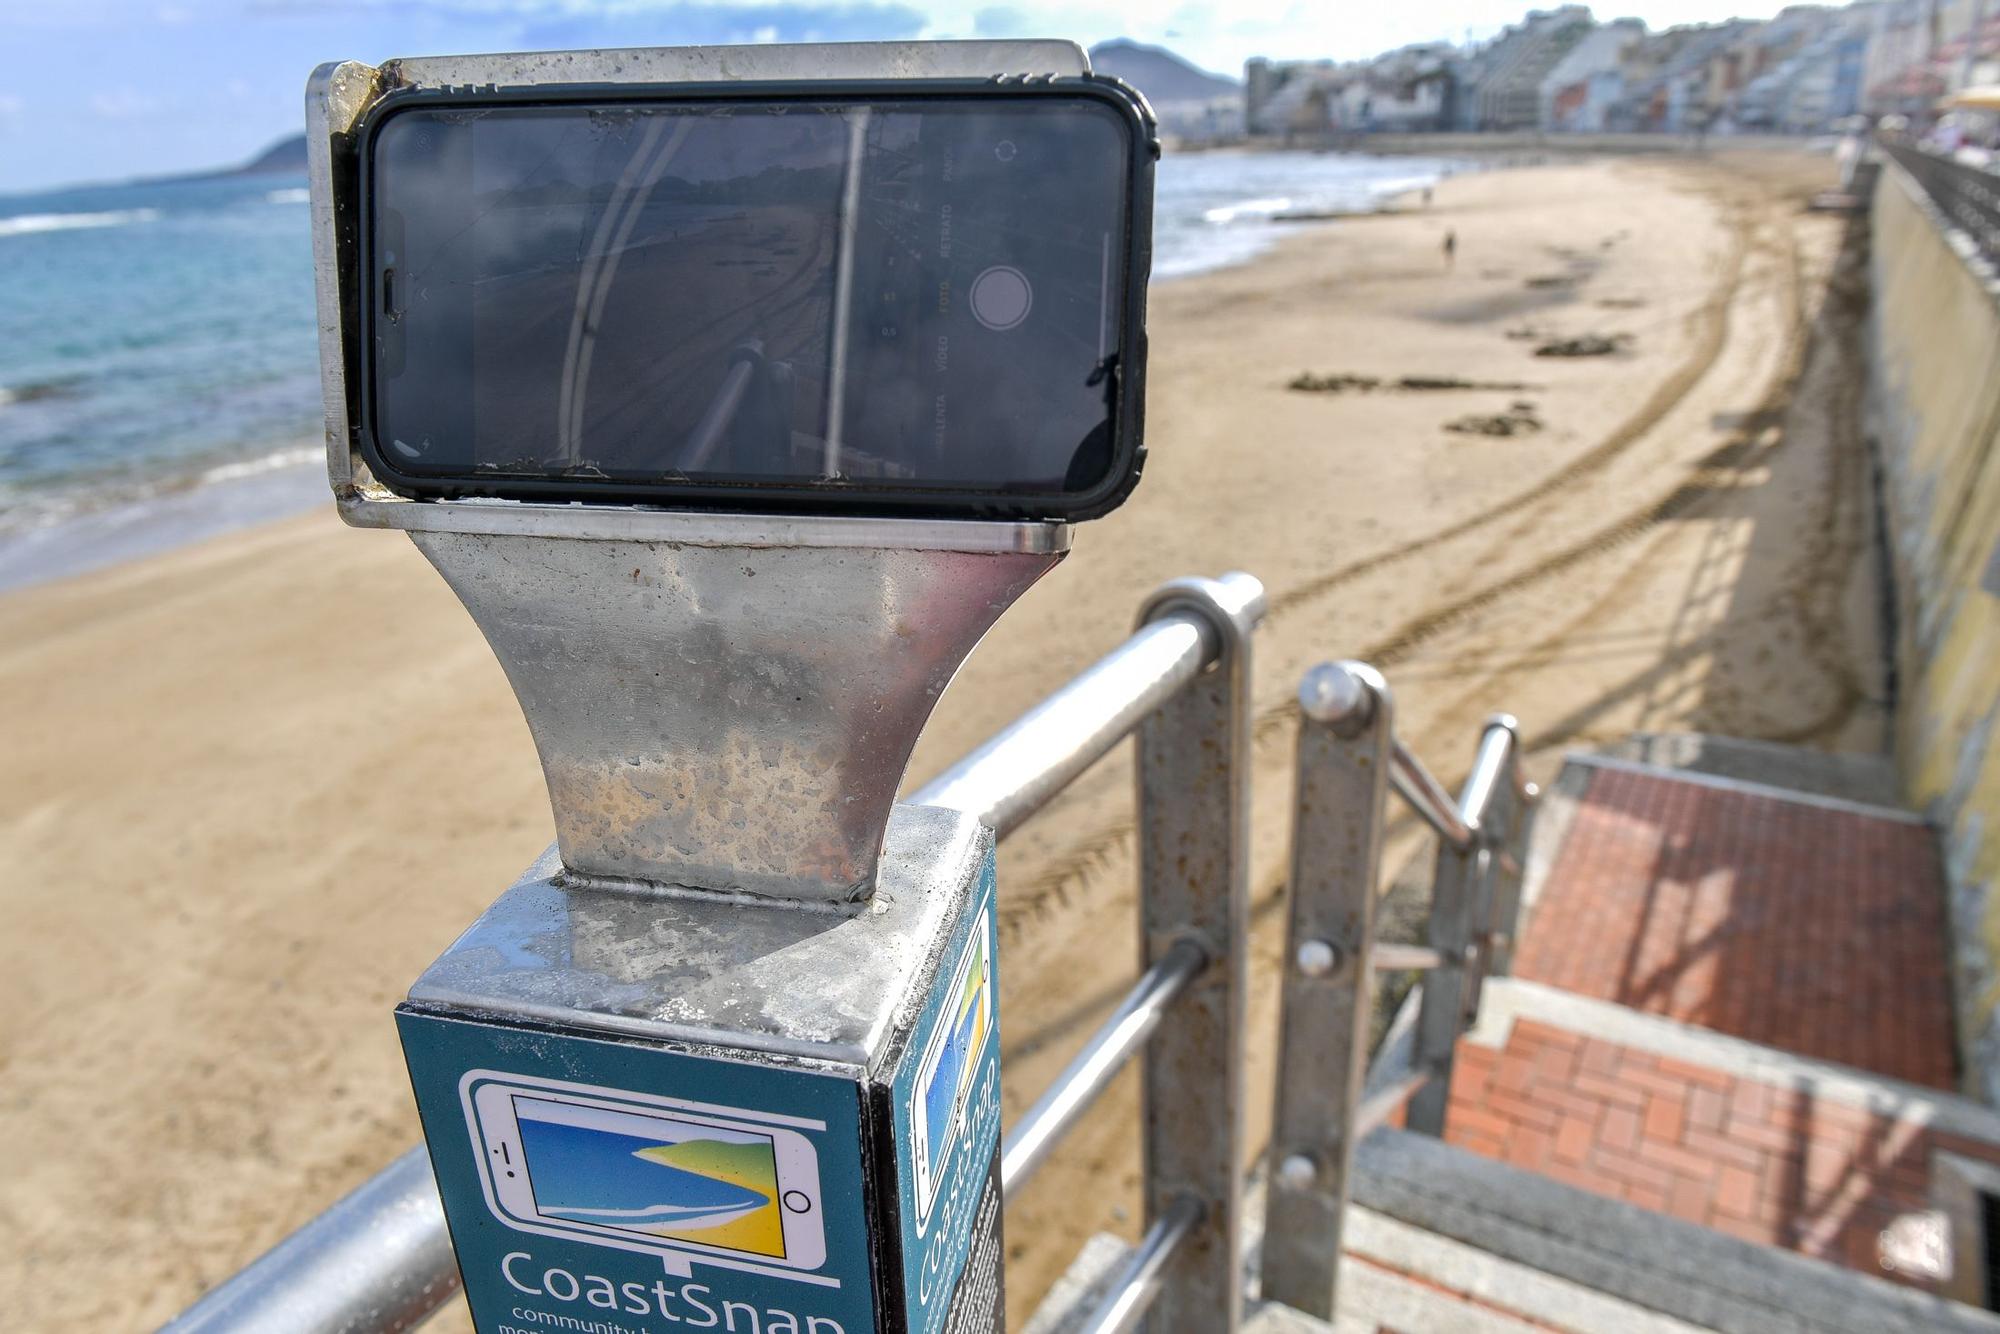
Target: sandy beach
x,y
256,784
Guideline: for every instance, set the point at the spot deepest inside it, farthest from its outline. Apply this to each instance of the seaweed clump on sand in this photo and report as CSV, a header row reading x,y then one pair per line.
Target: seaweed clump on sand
x,y
1518,419
1585,345
1424,382
1307,382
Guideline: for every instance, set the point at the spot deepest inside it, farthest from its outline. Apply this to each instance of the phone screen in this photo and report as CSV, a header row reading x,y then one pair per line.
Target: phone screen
x,y
924,296
661,1176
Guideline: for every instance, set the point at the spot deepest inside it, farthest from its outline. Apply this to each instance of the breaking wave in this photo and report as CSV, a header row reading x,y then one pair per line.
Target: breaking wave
x,y
29,223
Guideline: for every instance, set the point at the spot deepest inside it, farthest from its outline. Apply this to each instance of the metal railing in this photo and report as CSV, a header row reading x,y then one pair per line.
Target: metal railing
x,y
1968,197
1348,759
381,1261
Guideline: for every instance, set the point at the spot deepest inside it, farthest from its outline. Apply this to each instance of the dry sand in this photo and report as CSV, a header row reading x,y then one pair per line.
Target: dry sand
x,y
254,786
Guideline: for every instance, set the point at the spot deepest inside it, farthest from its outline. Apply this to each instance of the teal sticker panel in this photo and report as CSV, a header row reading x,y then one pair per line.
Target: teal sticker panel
x,y
594,1185
945,1109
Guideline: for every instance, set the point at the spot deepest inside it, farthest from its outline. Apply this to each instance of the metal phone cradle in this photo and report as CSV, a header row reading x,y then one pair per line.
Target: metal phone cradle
x,y
743,966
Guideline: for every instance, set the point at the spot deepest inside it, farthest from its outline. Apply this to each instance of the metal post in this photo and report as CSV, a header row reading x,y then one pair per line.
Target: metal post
x,y
1493,802
1479,947
1510,855
1194,873
1346,740
1461,909
1454,889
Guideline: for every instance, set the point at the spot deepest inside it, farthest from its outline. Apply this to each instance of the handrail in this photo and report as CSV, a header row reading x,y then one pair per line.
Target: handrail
x,y
1492,765
1019,769
1390,958
380,1261
1961,198
1132,1293
1427,797
1035,1135
1374,1111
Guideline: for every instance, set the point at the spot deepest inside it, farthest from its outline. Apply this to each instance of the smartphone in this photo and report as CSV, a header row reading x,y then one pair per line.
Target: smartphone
x,y
951,1063
646,1173
874,298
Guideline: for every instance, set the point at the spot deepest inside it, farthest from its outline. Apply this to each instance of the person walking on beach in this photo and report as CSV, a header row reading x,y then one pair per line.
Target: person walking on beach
x,y
1450,250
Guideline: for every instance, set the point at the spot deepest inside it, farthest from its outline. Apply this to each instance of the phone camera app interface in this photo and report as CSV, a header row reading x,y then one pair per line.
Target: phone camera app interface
x,y
660,1176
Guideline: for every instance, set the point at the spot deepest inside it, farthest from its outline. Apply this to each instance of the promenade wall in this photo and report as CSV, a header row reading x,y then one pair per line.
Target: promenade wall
x,y
1935,403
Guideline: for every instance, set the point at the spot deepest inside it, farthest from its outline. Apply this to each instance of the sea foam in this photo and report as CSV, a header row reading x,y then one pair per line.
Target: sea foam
x,y
29,223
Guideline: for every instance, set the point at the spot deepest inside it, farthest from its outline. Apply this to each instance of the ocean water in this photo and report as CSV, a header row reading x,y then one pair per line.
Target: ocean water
x,y
159,374
152,337
1216,209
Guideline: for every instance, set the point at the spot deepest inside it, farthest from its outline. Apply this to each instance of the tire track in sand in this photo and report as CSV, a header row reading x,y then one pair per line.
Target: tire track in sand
x,y
1097,851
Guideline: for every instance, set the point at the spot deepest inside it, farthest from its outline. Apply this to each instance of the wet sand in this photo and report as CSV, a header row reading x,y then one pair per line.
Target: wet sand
x,y
258,783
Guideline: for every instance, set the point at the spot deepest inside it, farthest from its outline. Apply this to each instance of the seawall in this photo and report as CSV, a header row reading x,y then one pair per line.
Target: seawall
x,y
1934,328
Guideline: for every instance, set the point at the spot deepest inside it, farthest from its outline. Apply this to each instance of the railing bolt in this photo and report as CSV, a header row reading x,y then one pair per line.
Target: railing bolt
x,y
1330,693
1317,958
1297,1172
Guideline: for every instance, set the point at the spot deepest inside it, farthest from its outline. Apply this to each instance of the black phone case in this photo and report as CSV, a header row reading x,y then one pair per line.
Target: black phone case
x,y
1128,420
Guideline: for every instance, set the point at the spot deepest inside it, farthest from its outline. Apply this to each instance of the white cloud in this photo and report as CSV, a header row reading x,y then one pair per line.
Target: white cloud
x,y
123,104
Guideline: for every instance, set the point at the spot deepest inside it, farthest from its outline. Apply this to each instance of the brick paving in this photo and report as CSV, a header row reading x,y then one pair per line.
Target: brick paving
x,y
1813,930
1765,1163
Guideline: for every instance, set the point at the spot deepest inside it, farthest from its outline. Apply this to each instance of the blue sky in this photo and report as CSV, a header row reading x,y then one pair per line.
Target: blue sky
x,y
106,89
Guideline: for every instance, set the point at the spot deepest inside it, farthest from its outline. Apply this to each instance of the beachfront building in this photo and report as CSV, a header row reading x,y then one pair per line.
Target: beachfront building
x,y
1292,97
1896,73
1971,58
1580,91
1679,81
1813,84
1920,50
1409,90
1501,83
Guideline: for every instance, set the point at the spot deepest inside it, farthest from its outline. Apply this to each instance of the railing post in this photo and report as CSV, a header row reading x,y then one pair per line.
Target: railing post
x,y
1346,735
1500,865
1479,946
1194,872
1454,889
1464,897
1508,858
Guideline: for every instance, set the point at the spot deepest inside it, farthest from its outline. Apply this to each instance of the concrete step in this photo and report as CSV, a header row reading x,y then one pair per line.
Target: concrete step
x,y
1867,780
1394,1277
1076,1294
1403,1278
1674,1269
1373,1296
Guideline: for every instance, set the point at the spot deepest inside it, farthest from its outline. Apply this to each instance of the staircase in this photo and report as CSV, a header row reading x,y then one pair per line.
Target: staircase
x,y
1716,1094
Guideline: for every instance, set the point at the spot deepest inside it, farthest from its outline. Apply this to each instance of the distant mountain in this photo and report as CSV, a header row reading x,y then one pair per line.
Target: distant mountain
x,y
1160,74
287,156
